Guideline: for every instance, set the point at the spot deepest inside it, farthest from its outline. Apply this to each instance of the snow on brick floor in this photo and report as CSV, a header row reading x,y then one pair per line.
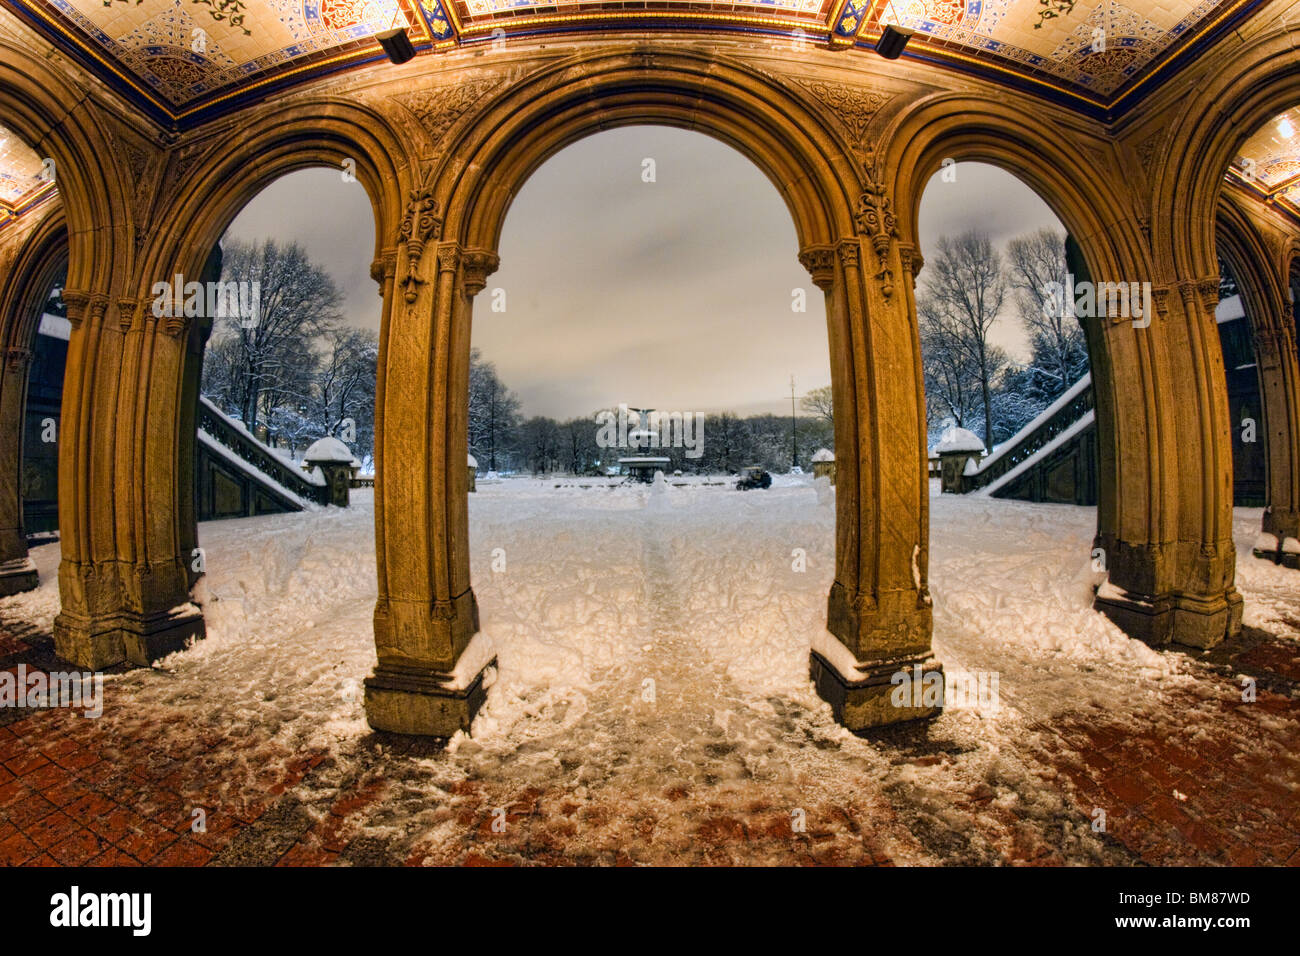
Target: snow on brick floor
x,y
609,593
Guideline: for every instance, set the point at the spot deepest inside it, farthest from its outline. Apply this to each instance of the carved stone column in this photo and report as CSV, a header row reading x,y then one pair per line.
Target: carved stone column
x,y
875,664
432,658
17,573
1179,587
1279,388
124,578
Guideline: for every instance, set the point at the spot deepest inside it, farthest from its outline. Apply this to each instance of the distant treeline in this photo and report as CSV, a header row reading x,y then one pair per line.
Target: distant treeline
x,y
501,439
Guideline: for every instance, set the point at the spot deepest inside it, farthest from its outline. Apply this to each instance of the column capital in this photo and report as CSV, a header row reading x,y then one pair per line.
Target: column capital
x,y
479,264
384,268
911,258
78,302
449,254
850,252
16,359
1208,288
127,311
820,262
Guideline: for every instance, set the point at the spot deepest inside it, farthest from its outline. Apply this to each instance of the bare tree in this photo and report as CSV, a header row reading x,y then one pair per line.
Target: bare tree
x,y
818,402
493,412
1037,269
345,382
541,441
966,289
260,363
952,379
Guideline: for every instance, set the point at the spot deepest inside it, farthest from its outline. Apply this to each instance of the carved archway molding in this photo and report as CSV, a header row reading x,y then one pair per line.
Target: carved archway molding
x,y
1155,590
1225,97
441,172
431,655
1262,283
145,530
41,253
103,582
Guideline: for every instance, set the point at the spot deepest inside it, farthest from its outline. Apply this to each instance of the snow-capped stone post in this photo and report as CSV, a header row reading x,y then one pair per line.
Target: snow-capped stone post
x,y
334,460
823,464
473,473
957,449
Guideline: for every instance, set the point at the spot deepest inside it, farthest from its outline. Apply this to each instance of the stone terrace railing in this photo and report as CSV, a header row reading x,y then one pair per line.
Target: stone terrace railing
x,y
1060,415
234,437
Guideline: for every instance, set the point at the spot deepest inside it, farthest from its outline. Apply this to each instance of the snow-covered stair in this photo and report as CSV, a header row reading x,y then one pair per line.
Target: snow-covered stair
x,y
1053,458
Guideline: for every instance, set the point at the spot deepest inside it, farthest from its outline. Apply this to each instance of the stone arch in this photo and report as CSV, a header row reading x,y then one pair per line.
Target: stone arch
x,y
1264,294
138,582
431,657
1230,103
41,106
42,255
266,147
315,134
1147,593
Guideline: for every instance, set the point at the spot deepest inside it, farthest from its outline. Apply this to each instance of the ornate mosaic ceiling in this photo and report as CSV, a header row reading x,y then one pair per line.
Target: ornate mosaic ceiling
x,y
184,59
24,179
1269,163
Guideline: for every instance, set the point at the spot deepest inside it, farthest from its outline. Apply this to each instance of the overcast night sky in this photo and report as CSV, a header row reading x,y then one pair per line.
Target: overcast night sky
x,y
674,294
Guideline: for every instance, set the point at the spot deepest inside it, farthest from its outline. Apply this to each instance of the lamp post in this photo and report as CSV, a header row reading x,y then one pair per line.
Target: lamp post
x,y
794,436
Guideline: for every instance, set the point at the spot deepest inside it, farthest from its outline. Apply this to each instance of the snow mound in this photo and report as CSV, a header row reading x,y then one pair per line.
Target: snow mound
x,y
958,439
327,449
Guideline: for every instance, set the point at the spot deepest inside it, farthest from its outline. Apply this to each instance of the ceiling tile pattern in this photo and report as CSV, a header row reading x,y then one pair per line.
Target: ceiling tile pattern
x,y
188,57
24,179
1096,47
1269,162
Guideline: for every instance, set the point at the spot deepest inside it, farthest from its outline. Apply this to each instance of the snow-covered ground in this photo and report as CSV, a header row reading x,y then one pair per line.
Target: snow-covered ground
x,y
658,638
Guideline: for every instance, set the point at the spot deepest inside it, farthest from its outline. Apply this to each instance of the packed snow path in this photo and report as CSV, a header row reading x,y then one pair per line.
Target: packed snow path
x,y
652,702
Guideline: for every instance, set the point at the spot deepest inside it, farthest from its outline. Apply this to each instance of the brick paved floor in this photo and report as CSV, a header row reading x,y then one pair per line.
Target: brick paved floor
x,y
1213,781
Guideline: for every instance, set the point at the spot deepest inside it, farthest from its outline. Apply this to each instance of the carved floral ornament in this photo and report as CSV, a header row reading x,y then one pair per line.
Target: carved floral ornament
x,y
126,313
875,218
420,225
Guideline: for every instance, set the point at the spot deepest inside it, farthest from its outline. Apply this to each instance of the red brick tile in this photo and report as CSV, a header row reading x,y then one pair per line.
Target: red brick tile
x,y
78,849
25,763
147,840
69,790
12,792
28,810
115,824
114,857
89,806
17,850
183,853
51,829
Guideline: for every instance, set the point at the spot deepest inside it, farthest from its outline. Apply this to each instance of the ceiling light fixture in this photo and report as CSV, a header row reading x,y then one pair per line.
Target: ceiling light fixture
x,y
892,38
1285,127
396,44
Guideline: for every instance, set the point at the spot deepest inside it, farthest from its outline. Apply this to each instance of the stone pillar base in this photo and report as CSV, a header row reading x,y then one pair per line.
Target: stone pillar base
x,y
16,576
1180,619
125,638
868,698
413,700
